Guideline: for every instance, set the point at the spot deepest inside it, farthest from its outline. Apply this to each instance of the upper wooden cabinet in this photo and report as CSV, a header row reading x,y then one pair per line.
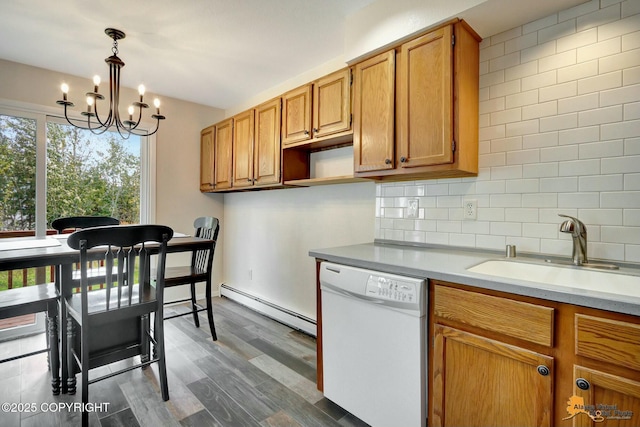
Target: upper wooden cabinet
x,y
243,131
431,93
207,138
317,110
223,154
373,137
267,149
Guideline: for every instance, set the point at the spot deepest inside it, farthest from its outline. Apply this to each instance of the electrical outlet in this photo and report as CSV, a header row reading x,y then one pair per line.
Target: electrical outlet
x,y
470,209
412,209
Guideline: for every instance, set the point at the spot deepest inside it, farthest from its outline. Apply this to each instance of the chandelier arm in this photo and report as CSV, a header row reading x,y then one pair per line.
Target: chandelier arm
x,y
146,133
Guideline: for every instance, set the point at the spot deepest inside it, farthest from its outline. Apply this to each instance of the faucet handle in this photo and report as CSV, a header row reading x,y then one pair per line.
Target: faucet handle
x,y
572,225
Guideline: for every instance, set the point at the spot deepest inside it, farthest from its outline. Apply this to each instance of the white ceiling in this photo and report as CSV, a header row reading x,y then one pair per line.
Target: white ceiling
x,y
213,52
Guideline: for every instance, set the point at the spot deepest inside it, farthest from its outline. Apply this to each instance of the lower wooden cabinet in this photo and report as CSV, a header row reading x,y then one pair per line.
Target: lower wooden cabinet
x,y
499,359
480,382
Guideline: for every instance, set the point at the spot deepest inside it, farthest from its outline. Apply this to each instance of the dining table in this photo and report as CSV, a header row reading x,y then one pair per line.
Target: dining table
x,y
29,252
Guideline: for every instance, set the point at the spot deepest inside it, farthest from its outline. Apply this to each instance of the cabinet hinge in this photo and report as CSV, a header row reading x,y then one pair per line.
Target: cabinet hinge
x,y
453,146
453,39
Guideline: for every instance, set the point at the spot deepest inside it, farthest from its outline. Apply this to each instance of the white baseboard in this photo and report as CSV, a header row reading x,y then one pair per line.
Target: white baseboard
x,y
282,315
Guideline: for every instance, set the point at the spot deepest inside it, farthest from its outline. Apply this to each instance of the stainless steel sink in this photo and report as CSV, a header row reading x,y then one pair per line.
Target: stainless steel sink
x,y
569,276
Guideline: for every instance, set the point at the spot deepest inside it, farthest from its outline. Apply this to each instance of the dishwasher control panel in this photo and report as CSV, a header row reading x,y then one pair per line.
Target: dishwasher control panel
x,y
392,289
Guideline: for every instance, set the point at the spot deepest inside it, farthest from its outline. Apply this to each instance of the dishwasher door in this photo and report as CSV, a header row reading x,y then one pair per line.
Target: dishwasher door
x,y
373,340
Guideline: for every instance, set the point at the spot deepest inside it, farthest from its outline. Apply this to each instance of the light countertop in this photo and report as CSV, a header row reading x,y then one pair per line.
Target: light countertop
x,y
450,264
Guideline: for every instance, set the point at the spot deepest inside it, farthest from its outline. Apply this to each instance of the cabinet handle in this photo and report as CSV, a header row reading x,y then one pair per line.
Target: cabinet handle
x,y
583,384
387,161
249,180
306,132
316,130
543,370
403,159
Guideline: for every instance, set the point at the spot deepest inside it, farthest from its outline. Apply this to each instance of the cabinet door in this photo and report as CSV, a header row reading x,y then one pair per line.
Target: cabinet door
x,y
223,154
243,127
296,115
267,150
425,100
332,104
603,391
206,159
373,113
482,382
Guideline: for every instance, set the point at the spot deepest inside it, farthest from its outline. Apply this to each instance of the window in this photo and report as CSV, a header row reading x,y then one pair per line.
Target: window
x,y
17,173
91,174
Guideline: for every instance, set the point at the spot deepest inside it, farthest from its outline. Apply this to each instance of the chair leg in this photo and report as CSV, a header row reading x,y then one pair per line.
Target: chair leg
x,y
159,349
85,380
54,355
71,369
210,311
194,308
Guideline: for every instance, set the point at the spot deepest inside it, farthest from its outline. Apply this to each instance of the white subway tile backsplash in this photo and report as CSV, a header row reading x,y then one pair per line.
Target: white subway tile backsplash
x,y
599,116
601,183
559,133
618,62
601,216
559,60
628,129
627,164
597,150
579,135
631,217
598,17
560,122
591,53
618,28
559,154
523,98
579,167
543,109
630,7
523,156
523,186
540,200
600,82
559,185
578,71
632,181
578,103
579,200
632,111
621,199
537,81
540,170
573,41
622,95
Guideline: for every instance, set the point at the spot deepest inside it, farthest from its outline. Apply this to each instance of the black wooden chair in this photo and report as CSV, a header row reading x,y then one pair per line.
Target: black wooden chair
x,y
80,222
199,271
32,300
112,324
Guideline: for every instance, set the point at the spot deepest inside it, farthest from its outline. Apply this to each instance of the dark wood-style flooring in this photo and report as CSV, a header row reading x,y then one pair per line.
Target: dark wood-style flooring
x,y
258,373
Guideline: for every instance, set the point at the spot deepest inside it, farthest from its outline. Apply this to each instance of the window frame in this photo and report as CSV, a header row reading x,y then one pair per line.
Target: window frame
x,y
42,115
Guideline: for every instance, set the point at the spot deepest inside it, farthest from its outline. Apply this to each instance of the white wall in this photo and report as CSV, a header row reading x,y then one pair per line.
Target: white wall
x,y
178,199
559,133
271,233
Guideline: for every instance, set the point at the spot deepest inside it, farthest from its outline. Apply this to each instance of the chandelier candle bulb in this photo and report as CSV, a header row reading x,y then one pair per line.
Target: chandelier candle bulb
x,y
130,112
141,91
65,90
96,83
156,103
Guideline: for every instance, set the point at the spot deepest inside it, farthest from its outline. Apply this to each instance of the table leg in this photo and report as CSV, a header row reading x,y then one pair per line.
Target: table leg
x,y
63,282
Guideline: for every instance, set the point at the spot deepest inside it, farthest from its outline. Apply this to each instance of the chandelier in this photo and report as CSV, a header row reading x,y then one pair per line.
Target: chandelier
x,y
97,125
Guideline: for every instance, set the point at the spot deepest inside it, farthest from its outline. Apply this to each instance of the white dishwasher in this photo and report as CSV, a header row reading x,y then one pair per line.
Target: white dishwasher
x,y
373,345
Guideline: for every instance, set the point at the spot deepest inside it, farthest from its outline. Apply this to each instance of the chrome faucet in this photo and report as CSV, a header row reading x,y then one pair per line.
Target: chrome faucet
x,y
579,234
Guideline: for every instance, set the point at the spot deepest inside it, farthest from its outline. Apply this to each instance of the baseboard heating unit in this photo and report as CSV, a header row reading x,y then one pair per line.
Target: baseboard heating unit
x,y
269,309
